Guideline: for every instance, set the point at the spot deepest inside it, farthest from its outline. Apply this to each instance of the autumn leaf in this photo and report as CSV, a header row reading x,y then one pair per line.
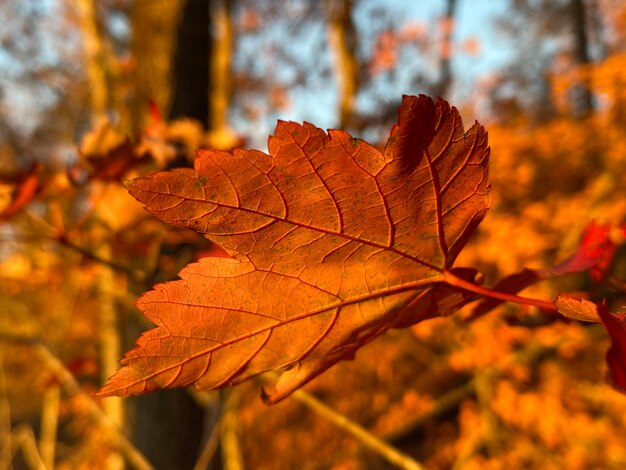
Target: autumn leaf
x,y
332,243
105,154
576,309
595,252
616,355
22,189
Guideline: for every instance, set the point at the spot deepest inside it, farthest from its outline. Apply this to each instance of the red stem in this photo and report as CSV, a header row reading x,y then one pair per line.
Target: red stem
x,y
487,292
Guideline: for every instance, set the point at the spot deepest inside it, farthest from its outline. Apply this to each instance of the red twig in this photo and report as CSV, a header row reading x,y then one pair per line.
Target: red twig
x,y
487,292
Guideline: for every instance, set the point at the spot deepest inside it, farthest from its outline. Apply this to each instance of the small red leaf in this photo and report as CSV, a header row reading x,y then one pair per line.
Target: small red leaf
x,y
616,355
596,250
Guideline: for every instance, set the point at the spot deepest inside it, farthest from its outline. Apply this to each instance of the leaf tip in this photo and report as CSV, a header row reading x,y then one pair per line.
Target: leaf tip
x,y
109,389
414,132
126,381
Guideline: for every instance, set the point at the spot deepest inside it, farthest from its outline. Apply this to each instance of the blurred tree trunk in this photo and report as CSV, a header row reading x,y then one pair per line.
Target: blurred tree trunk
x,y
167,425
534,23
98,64
342,39
154,26
221,73
109,342
190,70
582,99
446,23
97,58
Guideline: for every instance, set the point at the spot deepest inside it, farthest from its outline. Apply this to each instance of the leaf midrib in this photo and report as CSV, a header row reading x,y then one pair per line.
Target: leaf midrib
x,y
288,221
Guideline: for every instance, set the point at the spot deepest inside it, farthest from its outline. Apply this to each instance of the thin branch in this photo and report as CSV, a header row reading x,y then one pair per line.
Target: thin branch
x,y
133,456
208,451
133,274
231,449
385,450
362,435
110,345
25,439
5,419
49,424
529,355
442,405
490,433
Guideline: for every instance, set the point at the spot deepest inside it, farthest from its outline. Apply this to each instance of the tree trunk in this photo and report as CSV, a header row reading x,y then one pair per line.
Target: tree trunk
x,y
221,60
96,58
154,26
342,39
582,99
168,424
442,86
190,71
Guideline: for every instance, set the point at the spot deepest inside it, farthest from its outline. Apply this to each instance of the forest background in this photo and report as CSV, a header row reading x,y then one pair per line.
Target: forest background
x,y
93,92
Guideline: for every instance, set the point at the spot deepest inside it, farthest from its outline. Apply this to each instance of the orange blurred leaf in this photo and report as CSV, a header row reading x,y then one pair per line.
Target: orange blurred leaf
x,y
576,309
23,190
107,153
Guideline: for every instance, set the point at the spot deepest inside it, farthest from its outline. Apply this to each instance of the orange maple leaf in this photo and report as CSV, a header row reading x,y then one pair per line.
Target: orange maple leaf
x,y
332,243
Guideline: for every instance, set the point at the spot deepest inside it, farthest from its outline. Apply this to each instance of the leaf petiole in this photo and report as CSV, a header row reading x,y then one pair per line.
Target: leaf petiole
x,y
456,281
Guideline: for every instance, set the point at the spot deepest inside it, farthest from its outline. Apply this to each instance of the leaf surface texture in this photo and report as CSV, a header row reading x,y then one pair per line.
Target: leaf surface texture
x,y
332,241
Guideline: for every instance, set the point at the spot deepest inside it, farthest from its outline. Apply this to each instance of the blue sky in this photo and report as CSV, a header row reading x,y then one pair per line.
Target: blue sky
x,y
317,102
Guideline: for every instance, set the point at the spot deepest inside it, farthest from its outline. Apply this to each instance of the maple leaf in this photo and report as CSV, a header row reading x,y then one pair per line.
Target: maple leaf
x,y
332,243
